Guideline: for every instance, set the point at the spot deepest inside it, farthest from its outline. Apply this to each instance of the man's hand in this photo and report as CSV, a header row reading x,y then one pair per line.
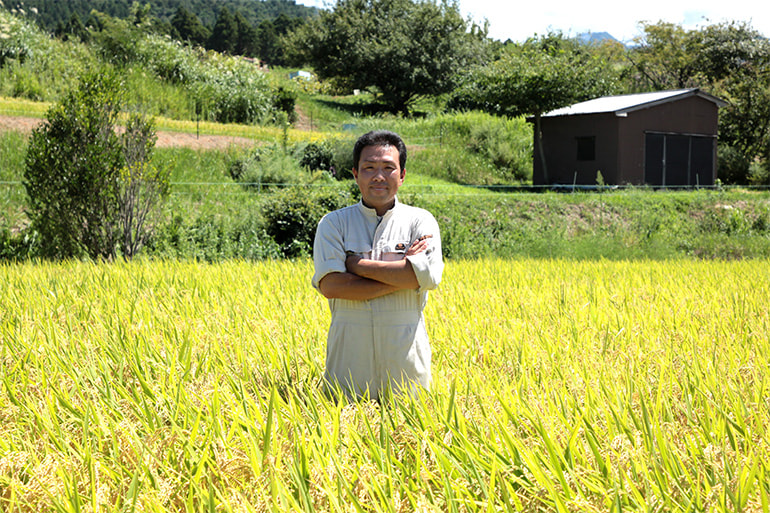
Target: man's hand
x,y
419,245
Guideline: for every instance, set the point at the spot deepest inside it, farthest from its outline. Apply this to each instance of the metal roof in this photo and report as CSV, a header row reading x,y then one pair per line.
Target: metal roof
x,y
622,105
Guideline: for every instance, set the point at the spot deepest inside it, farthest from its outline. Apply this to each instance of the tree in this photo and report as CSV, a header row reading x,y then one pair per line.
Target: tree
x,y
399,49
141,186
224,36
74,28
269,34
735,59
189,27
86,185
664,58
535,77
246,41
268,42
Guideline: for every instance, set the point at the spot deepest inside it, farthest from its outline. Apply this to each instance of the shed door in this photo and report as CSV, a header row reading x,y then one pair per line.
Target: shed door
x,y
678,160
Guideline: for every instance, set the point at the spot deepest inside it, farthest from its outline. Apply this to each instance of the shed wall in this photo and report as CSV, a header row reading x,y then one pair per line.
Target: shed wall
x,y
691,116
560,144
619,141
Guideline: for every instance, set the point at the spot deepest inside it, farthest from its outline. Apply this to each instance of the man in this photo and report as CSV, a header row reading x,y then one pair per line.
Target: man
x,y
375,261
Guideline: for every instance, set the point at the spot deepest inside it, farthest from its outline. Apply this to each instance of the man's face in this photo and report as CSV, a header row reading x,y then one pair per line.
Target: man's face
x,y
379,175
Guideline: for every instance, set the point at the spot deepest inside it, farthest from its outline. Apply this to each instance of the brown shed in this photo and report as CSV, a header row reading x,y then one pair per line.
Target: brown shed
x,y
666,138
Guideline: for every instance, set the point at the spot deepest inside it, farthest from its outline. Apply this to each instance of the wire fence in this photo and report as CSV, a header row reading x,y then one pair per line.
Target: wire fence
x,y
435,188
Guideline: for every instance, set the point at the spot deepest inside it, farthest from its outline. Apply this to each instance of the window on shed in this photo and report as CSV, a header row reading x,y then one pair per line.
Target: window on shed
x,y
586,148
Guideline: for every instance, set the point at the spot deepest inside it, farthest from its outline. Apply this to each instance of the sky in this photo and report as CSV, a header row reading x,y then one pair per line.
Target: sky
x,y
518,20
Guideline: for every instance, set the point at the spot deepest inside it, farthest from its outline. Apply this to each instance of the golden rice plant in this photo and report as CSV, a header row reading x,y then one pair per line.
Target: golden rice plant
x,y
558,386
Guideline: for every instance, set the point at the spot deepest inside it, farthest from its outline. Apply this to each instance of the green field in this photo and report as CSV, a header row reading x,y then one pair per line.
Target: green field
x,y
559,385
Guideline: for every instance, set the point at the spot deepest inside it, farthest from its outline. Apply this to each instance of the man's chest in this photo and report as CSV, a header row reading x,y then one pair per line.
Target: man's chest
x,y
382,240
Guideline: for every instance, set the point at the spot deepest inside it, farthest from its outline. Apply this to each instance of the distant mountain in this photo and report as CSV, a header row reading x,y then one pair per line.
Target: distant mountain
x,y
591,38
51,13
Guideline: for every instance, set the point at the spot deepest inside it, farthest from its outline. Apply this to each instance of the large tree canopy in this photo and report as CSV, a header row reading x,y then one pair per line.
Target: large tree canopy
x,y
537,76
399,49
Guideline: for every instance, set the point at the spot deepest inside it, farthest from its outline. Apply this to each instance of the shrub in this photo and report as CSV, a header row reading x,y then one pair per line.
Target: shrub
x,y
292,216
266,168
510,156
317,156
232,91
284,101
27,85
17,246
342,158
733,166
86,185
211,239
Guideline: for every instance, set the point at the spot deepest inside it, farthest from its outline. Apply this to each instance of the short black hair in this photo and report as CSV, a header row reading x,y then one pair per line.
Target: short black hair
x,y
380,138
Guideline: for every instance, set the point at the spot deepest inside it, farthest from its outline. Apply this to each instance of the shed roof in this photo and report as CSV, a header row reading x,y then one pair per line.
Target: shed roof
x,y
622,105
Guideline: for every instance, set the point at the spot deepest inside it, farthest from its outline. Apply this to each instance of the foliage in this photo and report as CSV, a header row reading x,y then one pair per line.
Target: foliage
x,y
534,77
224,35
233,26
736,61
266,168
141,186
665,57
35,66
49,14
270,35
189,28
506,147
117,41
317,156
210,238
89,188
284,101
427,44
231,92
292,216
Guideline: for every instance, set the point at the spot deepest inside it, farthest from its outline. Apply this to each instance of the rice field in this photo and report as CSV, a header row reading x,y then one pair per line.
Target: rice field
x,y
558,386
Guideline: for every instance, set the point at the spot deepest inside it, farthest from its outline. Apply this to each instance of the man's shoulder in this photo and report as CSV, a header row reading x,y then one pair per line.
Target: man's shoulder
x,y
340,213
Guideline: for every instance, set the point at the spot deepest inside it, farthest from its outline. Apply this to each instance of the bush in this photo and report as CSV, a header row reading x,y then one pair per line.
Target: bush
x,y
232,91
342,158
733,166
84,181
266,168
284,101
317,156
292,216
211,239
509,156
17,246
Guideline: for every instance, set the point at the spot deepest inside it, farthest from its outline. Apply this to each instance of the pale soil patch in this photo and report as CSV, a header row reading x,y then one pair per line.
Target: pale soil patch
x,y
165,139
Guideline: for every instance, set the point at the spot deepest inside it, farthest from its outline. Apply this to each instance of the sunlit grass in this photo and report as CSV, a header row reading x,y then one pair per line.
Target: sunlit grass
x,y
21,107
558,386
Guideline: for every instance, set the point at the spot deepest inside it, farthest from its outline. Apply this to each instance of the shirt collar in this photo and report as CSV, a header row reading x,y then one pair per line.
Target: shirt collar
x,y
372,212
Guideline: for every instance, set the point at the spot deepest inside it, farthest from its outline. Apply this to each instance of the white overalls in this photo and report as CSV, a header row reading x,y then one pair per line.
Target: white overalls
x,y
382,341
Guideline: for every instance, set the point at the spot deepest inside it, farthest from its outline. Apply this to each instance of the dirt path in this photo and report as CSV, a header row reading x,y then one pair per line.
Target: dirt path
x,y
165,139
